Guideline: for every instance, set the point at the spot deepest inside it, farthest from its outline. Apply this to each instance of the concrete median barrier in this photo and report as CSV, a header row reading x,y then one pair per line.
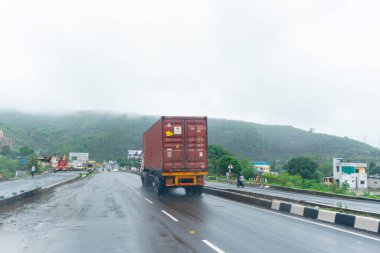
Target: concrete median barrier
x,y
285,207
366,223
297,209
24,194
328,216
354,221
53,186
310,212
18,197
345,219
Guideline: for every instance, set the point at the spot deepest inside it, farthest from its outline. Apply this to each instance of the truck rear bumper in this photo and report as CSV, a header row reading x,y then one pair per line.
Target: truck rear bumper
x,y
180,179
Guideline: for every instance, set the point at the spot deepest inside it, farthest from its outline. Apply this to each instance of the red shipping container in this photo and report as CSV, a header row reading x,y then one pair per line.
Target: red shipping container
x,y
176,144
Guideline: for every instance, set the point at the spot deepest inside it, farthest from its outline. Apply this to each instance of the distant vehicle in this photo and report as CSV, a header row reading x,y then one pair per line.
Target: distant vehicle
x,y
115,170
175,154
79,167
90,168
240,181
63,164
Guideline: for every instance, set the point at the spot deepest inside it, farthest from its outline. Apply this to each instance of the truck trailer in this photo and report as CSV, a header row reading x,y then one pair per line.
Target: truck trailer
x,y
175,154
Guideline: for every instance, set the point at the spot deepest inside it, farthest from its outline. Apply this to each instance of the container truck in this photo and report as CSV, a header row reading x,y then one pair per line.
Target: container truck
x,y
175,154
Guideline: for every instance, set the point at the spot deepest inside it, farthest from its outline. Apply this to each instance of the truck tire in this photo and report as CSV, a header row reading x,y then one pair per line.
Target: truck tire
x,y
165,190
143,181
157,186
198,190
187,190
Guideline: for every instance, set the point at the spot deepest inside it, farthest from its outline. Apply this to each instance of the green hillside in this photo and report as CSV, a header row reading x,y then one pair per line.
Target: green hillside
x,y
110,135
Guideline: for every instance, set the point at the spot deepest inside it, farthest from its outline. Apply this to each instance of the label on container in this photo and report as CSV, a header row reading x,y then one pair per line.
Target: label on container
x,y
177,130
169,133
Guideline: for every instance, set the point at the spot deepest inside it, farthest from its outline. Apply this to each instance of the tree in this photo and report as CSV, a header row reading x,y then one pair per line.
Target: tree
x,y
373,169
8,167
215,152
246,169
25,151
223,163
129,163
303,166
6,151
273,165
325,169
32,161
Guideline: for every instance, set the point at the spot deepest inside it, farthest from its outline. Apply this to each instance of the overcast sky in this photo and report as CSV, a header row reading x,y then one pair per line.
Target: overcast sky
x,y
300,63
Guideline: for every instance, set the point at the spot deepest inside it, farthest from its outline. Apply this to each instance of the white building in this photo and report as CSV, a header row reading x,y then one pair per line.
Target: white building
x,y
78,159
374,182
352,173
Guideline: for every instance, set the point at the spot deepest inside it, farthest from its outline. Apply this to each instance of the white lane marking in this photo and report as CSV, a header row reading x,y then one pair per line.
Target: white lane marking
x,y
138,193
213,246
295,218
169,215
129,186
148,201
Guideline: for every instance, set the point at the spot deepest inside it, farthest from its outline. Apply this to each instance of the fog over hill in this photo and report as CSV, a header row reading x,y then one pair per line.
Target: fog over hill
x,y
109,135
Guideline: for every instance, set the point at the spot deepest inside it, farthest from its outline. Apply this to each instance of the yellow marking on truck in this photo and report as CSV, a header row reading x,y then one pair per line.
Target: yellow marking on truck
x,y
200,173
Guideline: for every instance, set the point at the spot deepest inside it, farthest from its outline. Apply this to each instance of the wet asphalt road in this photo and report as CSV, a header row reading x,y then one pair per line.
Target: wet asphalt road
x,y
111,212
7,188
369,206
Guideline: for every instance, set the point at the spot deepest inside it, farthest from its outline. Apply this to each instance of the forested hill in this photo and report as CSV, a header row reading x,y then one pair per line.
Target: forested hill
x,y
110,135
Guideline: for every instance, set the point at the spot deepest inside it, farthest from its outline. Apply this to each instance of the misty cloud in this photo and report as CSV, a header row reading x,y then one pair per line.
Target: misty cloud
x,y
301,63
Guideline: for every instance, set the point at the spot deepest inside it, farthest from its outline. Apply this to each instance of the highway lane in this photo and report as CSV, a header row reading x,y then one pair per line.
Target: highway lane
x,y
369,206
7,188
113,213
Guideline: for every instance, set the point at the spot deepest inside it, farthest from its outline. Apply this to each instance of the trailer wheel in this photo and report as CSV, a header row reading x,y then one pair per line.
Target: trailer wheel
x,y
157,186
143,181
198,190
165,190
188,190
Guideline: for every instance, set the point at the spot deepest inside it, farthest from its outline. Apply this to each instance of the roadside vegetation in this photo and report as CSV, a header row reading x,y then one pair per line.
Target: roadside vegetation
x,y
300,172
11,162
296,181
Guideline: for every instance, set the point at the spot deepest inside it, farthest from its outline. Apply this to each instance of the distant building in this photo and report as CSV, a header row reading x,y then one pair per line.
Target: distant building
x,y
328,180
262,167
5,142
78,159
134,154
352,173
45,161
374,182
